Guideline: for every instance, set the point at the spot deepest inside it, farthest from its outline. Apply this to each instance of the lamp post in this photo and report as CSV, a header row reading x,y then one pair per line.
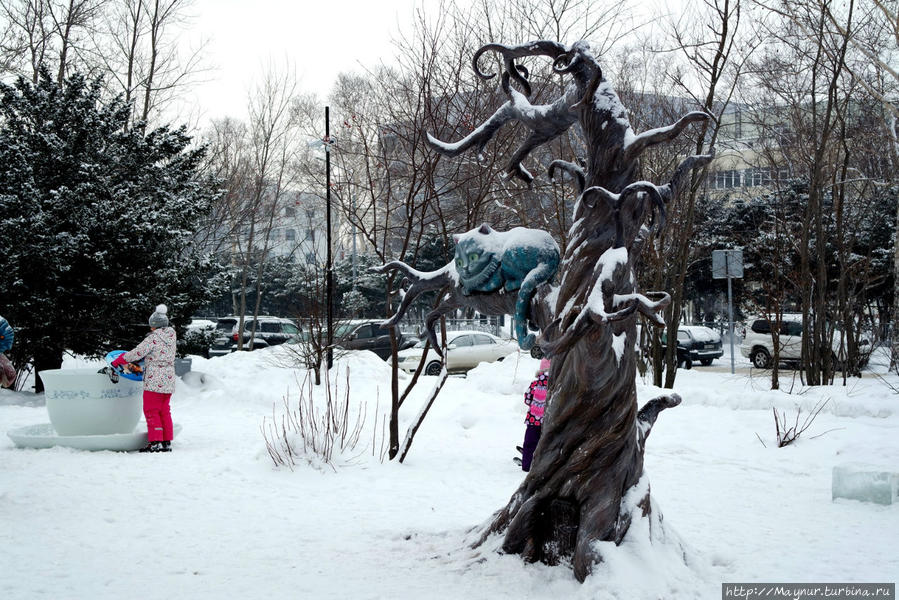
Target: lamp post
x,y
326,142
329,276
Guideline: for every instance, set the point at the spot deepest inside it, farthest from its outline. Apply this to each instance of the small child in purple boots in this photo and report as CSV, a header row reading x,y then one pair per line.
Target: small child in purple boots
x,y
535,398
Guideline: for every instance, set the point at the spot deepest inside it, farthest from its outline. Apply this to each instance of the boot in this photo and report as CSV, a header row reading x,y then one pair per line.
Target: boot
x,y
166,446
152,447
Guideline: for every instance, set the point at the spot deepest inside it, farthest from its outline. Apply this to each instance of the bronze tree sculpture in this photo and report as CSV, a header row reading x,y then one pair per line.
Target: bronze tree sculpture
x,y
586,482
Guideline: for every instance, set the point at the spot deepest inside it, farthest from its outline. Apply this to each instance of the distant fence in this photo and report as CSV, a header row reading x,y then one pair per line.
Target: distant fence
x,y
498,326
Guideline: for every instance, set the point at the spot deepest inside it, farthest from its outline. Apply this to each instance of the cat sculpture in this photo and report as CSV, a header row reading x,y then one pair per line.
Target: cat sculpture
x,y
489,261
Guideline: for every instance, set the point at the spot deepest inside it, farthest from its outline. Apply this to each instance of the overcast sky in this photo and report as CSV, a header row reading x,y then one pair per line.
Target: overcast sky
x,y
320,38
317,38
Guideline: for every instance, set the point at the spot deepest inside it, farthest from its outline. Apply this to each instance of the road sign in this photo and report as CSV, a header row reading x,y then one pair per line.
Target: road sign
x,y
727,263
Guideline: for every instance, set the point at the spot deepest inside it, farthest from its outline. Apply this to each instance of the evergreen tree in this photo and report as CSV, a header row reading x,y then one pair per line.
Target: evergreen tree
x,y
98,221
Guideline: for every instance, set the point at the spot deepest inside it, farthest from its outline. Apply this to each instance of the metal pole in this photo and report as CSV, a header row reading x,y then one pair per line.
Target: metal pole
x,y
730,310
329,291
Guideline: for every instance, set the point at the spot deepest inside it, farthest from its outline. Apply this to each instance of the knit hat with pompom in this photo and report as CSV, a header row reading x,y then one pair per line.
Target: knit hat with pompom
x,y
160,318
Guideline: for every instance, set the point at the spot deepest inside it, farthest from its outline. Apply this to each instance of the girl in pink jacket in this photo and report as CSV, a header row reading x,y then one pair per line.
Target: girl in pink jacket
x,y
535,398
158,353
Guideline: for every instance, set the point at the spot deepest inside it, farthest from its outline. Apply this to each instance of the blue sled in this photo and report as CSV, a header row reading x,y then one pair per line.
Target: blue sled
x,y
121,370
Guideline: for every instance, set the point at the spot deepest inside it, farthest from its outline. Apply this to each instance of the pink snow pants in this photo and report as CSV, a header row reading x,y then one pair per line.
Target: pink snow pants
x,y
159,416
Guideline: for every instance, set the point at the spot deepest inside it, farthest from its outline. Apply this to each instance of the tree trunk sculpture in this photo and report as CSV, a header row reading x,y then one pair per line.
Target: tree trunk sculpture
x,y
586,481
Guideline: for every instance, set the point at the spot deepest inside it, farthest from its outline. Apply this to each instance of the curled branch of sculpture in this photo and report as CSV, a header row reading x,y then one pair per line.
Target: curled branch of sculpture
x,y
634,192
565,331
546,122
510,53
650,412
420,282
573,170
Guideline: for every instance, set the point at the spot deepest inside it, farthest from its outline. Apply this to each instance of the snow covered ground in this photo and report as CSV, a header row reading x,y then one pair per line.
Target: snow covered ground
x,y
217,519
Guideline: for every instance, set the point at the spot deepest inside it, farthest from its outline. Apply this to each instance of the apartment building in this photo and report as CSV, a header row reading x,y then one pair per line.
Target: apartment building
x,y
299,229
743,167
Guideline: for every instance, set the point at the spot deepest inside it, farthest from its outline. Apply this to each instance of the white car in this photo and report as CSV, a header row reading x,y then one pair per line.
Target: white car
x,y
465,350
758,344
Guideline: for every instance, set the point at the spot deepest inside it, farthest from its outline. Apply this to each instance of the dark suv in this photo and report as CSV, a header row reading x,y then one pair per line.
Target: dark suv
x,y
221,343
696,343
270,331
369,335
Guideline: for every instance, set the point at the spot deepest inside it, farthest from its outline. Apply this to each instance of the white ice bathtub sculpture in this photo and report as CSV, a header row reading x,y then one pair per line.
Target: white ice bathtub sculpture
x,y
84,402
87,411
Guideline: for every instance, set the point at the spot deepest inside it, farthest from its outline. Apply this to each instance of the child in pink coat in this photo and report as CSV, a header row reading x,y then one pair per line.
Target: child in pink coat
x,y
535,398
158,353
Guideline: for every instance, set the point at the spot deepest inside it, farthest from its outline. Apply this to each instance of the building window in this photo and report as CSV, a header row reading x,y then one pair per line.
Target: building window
x,y
726,179
290,211
758,177
290,235
310,258
310,235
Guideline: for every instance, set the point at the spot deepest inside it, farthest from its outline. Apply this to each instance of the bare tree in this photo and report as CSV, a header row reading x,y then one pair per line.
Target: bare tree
x,y
133,44
257,163
806,72
73,19
878,75
139,49
50,33
713,48
25,36
274,141
386,175
386,184
229,162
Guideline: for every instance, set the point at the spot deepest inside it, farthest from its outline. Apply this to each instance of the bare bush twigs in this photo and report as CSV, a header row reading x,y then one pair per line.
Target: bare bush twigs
x,y
315,429
787,434
884,381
